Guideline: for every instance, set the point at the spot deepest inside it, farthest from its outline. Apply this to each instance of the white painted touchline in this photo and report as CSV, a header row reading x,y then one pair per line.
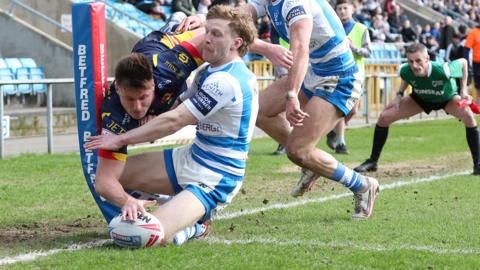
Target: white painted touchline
x,y
36,254
236,214
273,241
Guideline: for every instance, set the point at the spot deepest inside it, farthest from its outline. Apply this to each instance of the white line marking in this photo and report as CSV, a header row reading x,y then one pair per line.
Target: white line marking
x,y
36,254
397,184
273,241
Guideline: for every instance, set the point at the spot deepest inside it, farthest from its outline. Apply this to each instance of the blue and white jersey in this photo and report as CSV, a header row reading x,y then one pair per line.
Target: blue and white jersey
x,y
330,54
225,101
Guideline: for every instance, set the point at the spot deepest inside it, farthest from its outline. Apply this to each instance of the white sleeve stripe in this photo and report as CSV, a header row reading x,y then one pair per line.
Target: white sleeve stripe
x,y
446,69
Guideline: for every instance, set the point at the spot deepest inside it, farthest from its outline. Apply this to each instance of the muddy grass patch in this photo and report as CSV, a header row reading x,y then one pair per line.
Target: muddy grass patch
x,y
38,233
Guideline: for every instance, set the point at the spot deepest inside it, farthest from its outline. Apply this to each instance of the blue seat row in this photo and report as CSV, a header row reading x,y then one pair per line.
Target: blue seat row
x,y
21,69
384,53
112,13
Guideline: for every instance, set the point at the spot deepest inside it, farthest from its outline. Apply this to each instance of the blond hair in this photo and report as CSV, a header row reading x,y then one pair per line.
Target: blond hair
x,y
241,23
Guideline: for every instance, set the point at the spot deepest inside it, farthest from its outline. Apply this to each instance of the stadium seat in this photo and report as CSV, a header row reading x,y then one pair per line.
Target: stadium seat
x,y
28,62
23,73
5,75
115,12
3,64
13,64
37,73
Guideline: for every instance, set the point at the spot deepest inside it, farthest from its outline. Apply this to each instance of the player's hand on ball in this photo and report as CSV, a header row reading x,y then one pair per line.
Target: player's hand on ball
x,y
132,206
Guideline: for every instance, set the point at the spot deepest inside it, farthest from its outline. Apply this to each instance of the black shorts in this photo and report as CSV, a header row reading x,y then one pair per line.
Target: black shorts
x,y
427,107
476,74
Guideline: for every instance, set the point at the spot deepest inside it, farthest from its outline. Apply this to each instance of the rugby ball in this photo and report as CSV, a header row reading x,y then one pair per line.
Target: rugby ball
x,y
145,232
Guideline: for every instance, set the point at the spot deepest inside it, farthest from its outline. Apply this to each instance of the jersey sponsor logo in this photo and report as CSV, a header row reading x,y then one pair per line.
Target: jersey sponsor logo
x,y
210,128
313,44
428,92
162,83
126,119
213,88
203,102
183,58
178,71
114,127
295,12
437,83
205,188
105,114
107,132
166,97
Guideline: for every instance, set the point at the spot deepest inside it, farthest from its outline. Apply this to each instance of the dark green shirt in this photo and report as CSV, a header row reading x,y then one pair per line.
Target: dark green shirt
x,y
439,85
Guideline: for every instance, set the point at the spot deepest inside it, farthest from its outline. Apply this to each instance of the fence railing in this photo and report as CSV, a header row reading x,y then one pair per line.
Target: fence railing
x,y
15,3
379,90
49,106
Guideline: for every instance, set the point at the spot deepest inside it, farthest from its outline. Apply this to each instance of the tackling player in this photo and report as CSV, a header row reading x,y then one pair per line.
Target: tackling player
x,y
223,103
321,88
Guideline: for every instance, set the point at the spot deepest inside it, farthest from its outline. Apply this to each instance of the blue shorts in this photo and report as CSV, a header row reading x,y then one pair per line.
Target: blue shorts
x,y
215,189
341,91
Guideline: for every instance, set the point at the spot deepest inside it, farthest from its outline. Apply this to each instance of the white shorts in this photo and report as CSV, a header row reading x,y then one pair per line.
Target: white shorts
x,y
213,188
342,91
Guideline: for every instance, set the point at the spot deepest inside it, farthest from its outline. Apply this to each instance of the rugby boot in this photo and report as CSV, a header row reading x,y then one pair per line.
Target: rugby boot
x,y
332,139
202,230
476,170
341,149
280,150
306,182
364,201
367,166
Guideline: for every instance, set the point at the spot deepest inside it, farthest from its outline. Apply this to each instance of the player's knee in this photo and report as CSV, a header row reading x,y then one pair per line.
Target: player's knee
x,y
384,120
469,120
296,154
261,120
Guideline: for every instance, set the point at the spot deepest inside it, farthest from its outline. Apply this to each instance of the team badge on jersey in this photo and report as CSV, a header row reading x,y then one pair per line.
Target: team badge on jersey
x,y
294,12
203,102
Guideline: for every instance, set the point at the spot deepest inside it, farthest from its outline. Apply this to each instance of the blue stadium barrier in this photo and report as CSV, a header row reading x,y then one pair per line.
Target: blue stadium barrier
x,y
23,73
37,73
5,75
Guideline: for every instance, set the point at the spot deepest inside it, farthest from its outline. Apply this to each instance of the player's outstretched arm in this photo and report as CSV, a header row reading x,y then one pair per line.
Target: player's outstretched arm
x,y
161,126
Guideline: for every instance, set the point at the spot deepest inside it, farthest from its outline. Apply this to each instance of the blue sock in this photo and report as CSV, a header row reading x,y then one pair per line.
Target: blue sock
x,y
348,177
184,235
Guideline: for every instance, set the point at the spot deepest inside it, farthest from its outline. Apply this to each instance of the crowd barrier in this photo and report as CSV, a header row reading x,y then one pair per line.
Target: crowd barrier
x,y
380,85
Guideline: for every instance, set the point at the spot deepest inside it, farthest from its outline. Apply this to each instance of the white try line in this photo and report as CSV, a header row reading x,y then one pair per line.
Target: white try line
x,y
273,241
36,254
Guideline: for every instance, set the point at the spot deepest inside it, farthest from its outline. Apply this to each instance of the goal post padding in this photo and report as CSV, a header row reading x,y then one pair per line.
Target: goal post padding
x,y
90,72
